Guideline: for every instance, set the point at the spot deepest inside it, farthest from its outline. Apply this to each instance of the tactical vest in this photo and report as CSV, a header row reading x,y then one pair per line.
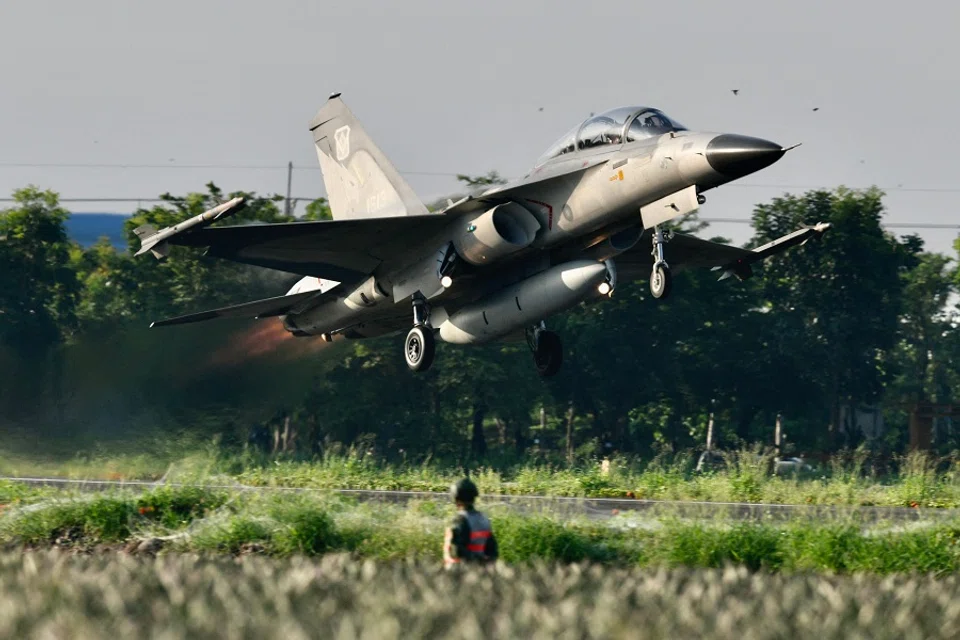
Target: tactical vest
x,y
479,534
480,531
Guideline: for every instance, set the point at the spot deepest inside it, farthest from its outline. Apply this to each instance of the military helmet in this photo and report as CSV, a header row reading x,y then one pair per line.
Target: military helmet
x,y
464,491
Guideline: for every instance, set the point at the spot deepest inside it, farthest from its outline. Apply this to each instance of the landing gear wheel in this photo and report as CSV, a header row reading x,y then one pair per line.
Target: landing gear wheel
x,y
419,348
548,355
661,280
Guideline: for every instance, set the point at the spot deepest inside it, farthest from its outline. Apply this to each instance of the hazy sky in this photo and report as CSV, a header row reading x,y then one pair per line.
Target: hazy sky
x,y
448,86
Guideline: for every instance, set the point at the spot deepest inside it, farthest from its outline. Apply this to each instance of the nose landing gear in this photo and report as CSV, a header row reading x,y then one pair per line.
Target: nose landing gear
x,y
420,345
661,280
547,350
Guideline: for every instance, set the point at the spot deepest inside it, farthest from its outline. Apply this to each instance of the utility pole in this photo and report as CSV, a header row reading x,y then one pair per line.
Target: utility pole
x,y
287,207
778,434
708,458
710,428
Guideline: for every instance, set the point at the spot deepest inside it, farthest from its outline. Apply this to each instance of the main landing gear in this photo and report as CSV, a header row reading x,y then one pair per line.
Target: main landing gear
x,y
420,345
547,350
661,280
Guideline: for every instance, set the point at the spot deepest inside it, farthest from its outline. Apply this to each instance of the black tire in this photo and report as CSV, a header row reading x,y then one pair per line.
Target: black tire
x,y
419,348
549,354
661,281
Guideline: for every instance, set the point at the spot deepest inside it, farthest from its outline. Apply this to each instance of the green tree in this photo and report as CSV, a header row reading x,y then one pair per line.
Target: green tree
x,y
925,324
187,281
38,297
479,182
319,209
110,286
38,288
833,308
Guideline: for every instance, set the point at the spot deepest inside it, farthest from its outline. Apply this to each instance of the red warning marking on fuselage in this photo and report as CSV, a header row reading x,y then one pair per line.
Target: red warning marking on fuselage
x,y
549,209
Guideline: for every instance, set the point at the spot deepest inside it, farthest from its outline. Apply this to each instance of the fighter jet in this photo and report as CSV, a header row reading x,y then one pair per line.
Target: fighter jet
x,y
495,265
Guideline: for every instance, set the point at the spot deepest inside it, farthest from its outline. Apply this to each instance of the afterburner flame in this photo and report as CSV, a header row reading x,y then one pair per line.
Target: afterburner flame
x,y
260,339
266,338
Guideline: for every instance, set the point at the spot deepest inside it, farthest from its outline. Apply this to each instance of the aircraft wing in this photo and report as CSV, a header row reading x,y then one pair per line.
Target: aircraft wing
x,y
517,190
685,251
265,308
341,250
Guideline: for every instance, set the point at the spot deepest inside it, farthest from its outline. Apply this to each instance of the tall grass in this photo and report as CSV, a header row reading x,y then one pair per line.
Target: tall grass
x,y
144,459
49,595
747,476
189,519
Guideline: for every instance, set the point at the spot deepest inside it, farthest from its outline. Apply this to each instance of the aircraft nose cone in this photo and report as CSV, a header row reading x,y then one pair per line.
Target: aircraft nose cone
x,y
735,156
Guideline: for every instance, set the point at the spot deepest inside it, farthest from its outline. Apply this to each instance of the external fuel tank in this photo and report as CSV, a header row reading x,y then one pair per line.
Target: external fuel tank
x,y
524,303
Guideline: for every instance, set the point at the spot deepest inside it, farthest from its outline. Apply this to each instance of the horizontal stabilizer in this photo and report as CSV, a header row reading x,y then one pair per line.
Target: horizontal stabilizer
x,y
256,309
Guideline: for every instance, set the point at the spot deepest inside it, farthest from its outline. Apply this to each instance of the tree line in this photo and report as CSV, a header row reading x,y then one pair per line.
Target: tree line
x,y
860,320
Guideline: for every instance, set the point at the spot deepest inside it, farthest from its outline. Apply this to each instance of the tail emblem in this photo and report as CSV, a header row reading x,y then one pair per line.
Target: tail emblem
x,y
342,138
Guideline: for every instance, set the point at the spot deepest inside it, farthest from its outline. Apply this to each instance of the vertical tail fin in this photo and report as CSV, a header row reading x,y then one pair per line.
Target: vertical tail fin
x,y
360,181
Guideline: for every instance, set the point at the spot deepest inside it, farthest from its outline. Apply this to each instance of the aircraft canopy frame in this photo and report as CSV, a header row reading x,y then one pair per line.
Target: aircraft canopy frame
x,y
613,127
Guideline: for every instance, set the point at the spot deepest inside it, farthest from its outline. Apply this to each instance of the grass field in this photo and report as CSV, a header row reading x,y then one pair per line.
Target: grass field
x,y
51,595
179,562
747,476
285,524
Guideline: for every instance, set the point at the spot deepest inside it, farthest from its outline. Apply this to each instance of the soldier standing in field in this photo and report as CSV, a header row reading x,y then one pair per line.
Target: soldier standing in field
x,y
470,538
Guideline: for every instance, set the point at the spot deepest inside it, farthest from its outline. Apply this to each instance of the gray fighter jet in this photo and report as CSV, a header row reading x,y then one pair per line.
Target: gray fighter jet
x,y
495,265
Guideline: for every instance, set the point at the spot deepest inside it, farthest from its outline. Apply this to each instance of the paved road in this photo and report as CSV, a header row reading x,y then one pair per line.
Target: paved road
x,y
595,508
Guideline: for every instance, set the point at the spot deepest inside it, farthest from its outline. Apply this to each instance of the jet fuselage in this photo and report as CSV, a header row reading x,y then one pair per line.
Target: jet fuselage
x,y
494,265
580,198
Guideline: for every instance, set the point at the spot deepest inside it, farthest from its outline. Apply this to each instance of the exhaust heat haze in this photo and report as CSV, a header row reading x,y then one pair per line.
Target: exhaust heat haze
x,y
265,339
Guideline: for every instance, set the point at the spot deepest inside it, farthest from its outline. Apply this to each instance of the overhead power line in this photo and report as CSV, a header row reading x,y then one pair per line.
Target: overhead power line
x,y
171,165
892,225
152,199
446,174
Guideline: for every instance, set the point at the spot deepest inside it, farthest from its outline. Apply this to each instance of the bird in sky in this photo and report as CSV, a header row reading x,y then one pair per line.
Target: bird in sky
x,y
735,91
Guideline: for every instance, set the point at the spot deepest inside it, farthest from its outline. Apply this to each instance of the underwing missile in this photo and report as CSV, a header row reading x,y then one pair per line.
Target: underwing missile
x,y
155,241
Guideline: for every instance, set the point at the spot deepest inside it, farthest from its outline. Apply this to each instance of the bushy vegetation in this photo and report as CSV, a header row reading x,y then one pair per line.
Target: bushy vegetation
x,y
283,524
50,595
917,480
746,476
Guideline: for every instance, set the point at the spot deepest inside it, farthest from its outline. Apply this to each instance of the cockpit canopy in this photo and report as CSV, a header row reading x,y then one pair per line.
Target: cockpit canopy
x,y
624,124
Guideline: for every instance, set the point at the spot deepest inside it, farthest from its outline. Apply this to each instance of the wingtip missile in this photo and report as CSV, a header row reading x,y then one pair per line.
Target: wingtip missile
x,y
155,241
815,232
